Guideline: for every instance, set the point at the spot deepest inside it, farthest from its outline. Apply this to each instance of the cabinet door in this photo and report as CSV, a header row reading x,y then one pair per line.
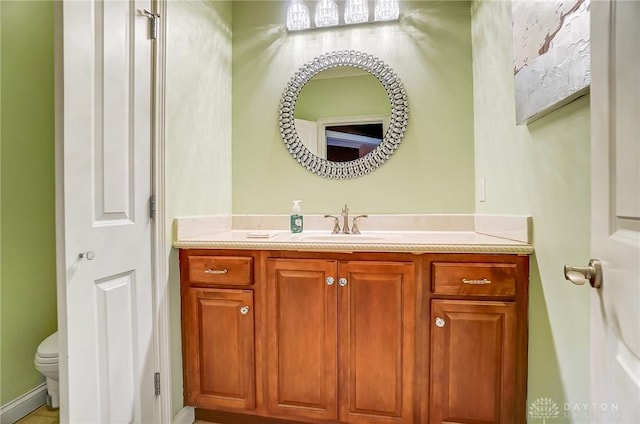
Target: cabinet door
x,y
376,319
472,362
301,338
218,348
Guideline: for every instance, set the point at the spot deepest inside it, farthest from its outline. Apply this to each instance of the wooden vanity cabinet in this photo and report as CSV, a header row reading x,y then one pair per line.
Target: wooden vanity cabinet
x,y
478,342
218,331
340,340
323,337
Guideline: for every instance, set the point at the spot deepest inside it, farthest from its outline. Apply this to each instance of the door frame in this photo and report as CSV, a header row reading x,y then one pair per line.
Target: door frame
x,y
160,248
161,243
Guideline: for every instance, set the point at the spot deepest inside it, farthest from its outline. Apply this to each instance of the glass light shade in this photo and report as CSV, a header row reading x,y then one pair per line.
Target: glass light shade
x,y
298,16
356,11
326,13
386,10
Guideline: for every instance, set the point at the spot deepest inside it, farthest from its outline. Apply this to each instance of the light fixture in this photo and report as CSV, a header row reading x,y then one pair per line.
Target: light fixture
x,y
298,16
326,13
386,10
356,11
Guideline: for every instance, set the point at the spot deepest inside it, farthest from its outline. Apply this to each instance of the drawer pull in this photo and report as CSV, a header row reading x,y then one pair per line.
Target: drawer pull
x,y
216,271
483,281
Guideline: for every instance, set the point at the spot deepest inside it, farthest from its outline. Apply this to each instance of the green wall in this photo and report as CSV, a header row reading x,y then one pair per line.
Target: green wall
x,y
197,132
540,169
429,49
28,276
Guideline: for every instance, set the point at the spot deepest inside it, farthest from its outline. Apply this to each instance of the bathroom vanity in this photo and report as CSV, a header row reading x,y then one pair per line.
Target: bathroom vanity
x,y
392,327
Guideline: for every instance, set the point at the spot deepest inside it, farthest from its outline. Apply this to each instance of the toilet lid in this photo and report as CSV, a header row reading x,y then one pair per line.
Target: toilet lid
x,y
49,347
39,360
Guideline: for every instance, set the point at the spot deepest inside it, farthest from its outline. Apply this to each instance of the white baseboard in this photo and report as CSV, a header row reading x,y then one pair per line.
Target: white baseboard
x,y
185,416
23,405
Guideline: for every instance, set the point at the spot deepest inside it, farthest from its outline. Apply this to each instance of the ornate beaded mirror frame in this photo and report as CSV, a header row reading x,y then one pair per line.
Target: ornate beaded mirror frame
x,y
392,138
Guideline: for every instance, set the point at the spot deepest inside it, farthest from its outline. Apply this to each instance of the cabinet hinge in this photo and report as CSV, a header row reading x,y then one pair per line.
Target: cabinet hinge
x,y
152,206
153,23
156,383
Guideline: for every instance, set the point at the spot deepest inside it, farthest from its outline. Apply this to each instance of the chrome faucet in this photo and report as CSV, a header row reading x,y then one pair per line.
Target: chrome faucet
x,y
354,227
345,219
345,222
336,224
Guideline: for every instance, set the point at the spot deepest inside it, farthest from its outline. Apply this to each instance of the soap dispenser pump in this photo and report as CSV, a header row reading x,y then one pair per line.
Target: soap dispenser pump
x,y
296,220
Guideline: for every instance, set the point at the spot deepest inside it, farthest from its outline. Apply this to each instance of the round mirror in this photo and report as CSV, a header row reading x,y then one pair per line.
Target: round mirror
x,y
343,114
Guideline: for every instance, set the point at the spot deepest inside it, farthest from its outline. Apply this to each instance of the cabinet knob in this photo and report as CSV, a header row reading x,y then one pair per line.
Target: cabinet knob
x,y
342,282
87,255
244,310
440,322
330,281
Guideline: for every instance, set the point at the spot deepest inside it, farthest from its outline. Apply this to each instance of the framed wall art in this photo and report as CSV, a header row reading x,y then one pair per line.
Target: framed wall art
x,y
552,56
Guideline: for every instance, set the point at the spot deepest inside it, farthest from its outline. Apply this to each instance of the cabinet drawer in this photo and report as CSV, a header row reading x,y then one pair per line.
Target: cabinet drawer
x,y
474,279
221,270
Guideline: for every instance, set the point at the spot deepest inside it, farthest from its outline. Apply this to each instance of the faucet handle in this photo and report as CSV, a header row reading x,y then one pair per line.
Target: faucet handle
x,y
336,224
354,227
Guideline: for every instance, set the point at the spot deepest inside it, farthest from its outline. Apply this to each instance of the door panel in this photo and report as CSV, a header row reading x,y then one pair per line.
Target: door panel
x,y
301,332
116,319
114,133
615,210
376,324
219,342
106,311
626,95
472,362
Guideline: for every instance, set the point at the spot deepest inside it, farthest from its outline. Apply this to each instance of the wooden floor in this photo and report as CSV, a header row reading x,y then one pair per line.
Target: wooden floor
x,y
42,415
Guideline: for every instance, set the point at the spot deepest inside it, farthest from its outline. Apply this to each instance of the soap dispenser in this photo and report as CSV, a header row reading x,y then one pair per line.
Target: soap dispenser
x,y
296,220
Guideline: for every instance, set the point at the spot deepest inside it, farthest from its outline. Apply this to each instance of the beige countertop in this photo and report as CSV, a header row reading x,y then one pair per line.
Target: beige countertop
x,y
222,233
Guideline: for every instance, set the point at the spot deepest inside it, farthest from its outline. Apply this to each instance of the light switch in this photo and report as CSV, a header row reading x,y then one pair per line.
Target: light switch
x,y
482,192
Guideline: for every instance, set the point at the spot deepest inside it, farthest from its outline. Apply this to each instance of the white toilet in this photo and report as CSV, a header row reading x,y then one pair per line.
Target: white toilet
x,y
46,362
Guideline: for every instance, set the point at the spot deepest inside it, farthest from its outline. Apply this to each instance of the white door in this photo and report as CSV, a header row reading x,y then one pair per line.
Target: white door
x,y
308,133
615,228
105,296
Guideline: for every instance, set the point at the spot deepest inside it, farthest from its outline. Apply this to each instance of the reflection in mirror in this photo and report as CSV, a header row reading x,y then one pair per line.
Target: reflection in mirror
x,y
342,114
351,142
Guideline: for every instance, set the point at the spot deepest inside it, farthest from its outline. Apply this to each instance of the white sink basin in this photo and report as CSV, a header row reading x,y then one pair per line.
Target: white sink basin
x,y
342,238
